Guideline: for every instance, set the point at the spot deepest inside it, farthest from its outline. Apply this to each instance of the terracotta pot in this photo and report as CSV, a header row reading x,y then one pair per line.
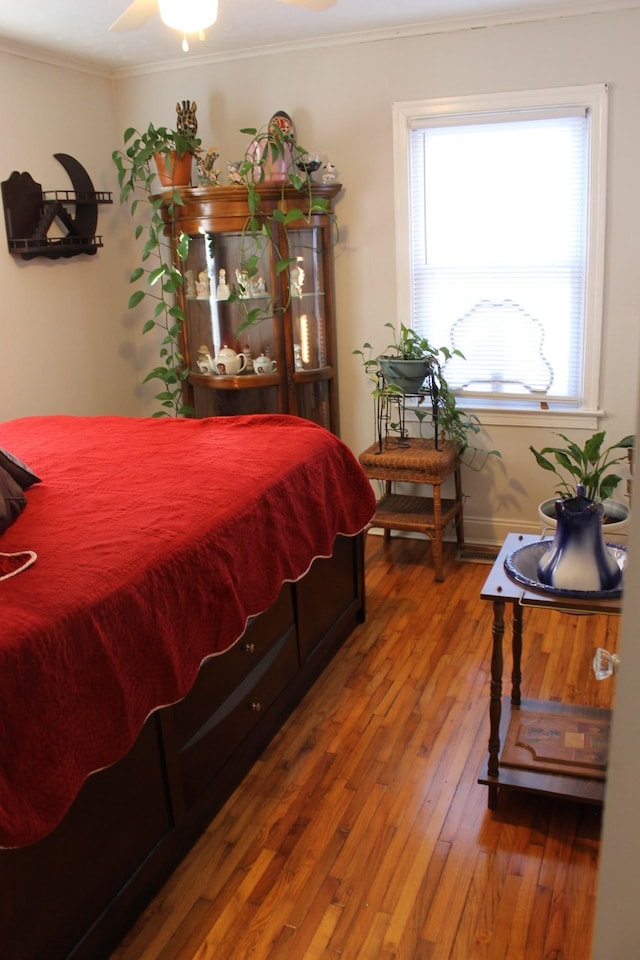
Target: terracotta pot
x,y
174,171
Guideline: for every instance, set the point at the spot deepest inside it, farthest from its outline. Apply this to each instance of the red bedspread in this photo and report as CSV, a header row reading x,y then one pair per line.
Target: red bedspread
x,y
156,540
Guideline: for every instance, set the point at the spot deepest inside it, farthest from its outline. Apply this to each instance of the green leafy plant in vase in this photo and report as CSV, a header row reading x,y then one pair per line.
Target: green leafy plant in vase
x,y
411,366
589,465
273,157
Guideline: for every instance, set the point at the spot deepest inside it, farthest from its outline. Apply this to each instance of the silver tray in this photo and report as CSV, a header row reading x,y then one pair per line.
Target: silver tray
x,y
522,566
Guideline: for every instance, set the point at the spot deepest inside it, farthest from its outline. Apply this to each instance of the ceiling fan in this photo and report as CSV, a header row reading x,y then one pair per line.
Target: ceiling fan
x,y
202,14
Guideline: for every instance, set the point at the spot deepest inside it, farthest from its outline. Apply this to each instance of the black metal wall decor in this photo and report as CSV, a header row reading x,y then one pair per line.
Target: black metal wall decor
x,y
29,213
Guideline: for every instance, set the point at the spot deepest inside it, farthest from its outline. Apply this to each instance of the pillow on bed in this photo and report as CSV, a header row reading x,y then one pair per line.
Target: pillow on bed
x,y
12,500
17,469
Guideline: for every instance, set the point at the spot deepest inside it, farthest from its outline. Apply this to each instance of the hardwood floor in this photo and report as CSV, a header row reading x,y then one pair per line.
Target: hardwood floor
x,y
362,831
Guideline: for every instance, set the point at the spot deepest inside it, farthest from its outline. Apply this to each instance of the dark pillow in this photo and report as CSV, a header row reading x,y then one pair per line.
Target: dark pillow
x,y
12,500
17,469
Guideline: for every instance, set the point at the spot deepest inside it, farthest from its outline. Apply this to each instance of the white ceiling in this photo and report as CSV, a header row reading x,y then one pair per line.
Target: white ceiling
x,y
77,31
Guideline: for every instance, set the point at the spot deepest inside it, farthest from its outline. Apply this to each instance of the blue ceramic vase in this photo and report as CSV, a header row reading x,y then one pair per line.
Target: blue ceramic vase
x,y
578,558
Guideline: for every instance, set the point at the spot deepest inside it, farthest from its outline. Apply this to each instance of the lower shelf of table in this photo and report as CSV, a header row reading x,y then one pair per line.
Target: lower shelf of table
x,y
397,511
553,748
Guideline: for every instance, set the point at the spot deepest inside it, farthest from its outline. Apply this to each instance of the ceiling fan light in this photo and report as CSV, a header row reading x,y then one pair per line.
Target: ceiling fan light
x,y
188,16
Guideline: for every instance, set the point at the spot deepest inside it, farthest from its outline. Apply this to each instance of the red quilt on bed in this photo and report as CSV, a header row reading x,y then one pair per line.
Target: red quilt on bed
x,y
156,540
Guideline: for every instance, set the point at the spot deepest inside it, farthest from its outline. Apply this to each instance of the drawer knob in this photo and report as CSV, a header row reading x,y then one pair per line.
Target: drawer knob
x,y
256,706
250,648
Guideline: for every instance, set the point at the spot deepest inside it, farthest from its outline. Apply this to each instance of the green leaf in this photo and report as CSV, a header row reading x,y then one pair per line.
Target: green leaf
x,y
136,298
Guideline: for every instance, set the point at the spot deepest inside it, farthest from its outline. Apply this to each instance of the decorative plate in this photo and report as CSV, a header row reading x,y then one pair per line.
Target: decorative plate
x,y
522,566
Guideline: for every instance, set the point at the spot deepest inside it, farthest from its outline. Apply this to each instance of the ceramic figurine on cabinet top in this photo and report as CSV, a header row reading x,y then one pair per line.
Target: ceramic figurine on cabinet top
x,y
330,172
233,168
187,122
207,175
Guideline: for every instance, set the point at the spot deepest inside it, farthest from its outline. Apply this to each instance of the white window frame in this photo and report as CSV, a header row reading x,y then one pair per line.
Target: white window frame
x,y
594,98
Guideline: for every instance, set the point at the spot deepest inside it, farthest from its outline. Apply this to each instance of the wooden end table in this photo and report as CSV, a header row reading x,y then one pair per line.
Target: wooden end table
x,y
553,748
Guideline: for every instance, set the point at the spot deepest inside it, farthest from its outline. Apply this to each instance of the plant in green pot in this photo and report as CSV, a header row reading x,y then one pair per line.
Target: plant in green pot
x,y
136,167
411,367
589,465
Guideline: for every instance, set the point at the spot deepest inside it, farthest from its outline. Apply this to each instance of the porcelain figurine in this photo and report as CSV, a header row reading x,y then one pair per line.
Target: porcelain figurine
x,y
190,284
202,286
207,175
222,292
579,558
329,174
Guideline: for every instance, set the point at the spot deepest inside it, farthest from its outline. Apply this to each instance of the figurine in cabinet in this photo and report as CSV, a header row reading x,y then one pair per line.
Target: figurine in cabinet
x,y
222,293
297,280
202,286
259,317
190,285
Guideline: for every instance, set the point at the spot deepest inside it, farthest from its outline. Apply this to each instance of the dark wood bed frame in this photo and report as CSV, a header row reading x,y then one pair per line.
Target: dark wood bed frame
x,y
73,895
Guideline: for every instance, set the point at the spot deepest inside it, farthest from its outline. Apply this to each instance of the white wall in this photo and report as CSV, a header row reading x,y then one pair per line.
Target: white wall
x,y
66,342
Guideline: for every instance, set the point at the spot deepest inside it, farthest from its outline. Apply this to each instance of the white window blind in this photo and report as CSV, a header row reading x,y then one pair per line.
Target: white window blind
x,y
503,246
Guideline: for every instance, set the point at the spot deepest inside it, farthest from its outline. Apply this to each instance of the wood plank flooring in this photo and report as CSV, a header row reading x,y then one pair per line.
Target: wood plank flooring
x,y
362,832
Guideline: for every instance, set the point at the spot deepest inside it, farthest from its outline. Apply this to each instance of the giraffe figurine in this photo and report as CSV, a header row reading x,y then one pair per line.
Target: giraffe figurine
x,y
187,120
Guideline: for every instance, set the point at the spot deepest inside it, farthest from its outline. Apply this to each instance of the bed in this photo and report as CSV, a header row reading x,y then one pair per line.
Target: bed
x,y
184,583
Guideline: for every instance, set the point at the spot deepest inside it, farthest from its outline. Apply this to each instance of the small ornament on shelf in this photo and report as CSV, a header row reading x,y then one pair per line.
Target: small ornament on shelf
x,y
222,292
203,289
233,171
190,285
207,174
330,172
297,279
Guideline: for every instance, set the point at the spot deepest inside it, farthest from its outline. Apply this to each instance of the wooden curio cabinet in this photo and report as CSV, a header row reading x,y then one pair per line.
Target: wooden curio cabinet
x,y
292,309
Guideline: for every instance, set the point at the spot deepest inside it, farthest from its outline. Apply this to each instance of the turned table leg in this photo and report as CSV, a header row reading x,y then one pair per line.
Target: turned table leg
x,y
495,705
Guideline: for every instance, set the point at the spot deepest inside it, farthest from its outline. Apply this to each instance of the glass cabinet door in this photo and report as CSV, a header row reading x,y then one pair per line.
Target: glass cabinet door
x,y
221,358
259,328
311,310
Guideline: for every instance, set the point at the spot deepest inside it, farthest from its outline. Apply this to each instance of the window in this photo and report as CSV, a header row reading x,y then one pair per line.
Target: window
x,y
500,234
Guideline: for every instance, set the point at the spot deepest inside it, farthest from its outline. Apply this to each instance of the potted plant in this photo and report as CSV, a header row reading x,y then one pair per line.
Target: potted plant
x,y
273,156
136,178
411,366
590,466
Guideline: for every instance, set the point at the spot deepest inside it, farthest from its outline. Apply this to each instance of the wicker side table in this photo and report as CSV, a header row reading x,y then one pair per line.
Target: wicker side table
x,y
416,461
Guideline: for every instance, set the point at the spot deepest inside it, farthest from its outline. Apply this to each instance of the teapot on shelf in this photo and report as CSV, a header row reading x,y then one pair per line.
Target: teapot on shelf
x,y
264,364
226,362
229,363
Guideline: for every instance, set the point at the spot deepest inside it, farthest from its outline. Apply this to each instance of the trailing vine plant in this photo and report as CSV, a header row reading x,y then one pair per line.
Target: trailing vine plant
x,y
273,146
136,178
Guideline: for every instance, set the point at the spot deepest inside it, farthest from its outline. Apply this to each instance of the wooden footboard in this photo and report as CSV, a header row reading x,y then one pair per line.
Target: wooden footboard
x,y
73,895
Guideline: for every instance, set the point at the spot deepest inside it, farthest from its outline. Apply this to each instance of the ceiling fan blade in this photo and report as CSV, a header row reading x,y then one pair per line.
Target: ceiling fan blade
x,y
311,4
135,16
